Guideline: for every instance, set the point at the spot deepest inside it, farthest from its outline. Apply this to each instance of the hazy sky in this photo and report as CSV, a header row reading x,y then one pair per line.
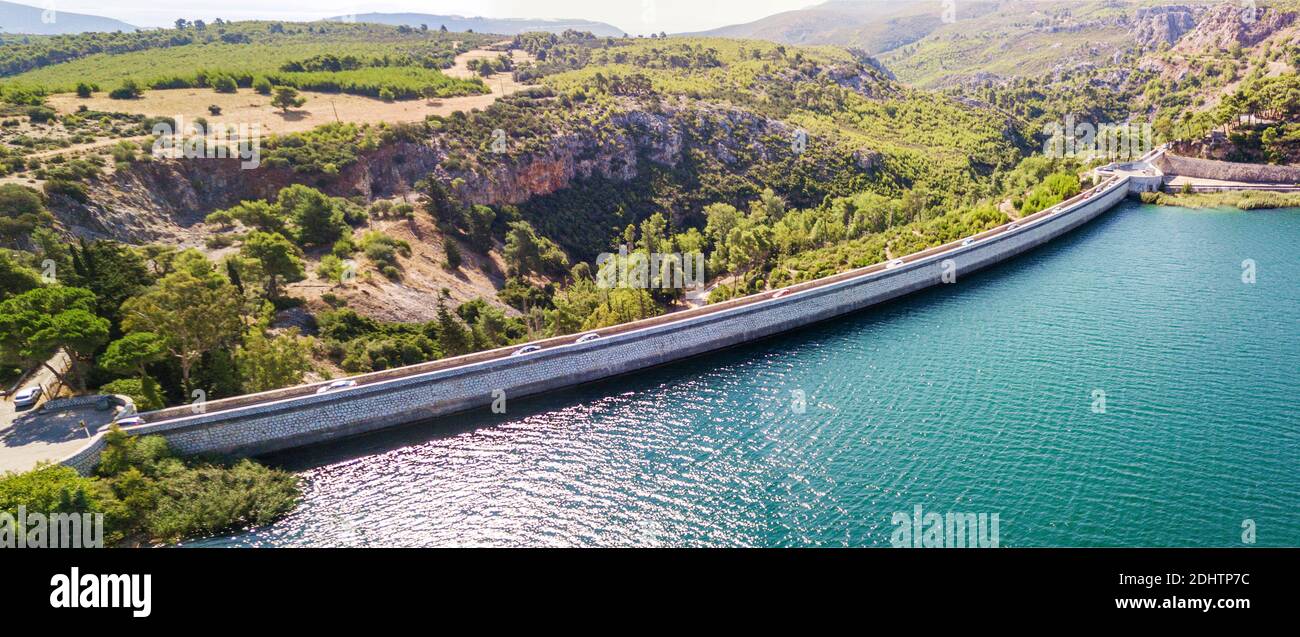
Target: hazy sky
x,y
635,16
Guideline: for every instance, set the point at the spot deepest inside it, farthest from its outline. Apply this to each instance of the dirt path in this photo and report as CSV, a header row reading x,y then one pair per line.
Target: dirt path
x,y
79,148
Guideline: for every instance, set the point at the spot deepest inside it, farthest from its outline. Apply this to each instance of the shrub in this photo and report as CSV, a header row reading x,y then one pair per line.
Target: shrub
x,y
129,90
56,488
219,241
145,392
343,248
331,268
287,97
453,255
124,151
383,251
208,499
224,84
69,189
21,210
262,86
84,90
41,114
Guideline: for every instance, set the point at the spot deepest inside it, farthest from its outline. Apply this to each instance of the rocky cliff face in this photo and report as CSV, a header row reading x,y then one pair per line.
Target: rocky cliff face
x,y
635,136
167,199
1153,26
1232,23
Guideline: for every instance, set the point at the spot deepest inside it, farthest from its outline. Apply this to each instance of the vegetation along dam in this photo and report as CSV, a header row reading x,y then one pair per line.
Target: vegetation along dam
x,y
296,416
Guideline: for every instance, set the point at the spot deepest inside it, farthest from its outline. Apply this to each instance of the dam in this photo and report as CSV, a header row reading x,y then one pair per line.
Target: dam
x,y
298,416
1106,389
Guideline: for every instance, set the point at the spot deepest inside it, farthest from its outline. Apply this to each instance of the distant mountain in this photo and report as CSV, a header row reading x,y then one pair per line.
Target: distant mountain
x,y
874,25
933,43
20,18
504,26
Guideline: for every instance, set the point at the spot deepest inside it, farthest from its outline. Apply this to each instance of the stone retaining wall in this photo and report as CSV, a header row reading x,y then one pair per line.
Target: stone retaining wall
x,y
58,404
303,420
86,458
1227,171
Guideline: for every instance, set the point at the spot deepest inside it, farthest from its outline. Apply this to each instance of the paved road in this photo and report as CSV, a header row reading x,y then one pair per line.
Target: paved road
x,y
25,439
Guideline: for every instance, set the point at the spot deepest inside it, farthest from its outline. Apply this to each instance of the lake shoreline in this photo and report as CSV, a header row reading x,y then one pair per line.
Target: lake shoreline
x,y
1238,199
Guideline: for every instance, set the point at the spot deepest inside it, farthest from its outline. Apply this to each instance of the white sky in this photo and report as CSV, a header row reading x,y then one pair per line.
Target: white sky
x,y
634,16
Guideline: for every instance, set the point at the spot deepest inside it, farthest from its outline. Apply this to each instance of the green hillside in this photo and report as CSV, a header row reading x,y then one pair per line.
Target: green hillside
x,y
830,92
243,50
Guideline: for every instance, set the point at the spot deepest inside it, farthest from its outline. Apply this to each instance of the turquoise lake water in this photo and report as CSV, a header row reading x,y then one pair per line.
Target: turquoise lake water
x,y
979,397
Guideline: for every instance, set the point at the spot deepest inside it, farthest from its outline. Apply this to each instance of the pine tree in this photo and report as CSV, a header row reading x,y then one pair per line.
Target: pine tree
x,y
232,273
453,337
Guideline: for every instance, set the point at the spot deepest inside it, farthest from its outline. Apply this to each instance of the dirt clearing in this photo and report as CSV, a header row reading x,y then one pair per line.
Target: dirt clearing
x,y
248,108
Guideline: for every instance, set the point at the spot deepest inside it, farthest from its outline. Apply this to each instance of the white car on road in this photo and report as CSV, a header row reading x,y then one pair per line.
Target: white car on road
x,y
337,385
27,397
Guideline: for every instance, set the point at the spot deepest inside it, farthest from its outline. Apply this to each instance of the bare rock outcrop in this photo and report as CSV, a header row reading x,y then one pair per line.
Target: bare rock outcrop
x,y
1227,24
167,199
1153,26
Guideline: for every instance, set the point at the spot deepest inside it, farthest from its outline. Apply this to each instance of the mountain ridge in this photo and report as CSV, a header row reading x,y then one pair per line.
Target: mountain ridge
x,y
479,24
25,19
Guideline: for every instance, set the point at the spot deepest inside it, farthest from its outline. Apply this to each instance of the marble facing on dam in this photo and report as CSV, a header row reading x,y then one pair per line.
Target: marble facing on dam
x,y
303,420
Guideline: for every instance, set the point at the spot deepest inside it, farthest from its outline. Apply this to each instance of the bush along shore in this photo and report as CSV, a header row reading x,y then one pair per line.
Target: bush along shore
x,y
148,495
1240,199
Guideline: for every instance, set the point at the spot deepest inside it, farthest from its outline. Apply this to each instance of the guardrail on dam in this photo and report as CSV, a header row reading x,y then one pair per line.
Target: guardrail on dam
x,y
293,417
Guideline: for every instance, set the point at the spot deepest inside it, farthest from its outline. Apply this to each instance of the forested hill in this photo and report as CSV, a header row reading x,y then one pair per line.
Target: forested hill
x,y
220,45
844,100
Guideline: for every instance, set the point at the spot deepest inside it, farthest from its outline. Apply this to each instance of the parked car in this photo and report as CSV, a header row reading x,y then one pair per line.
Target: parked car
x,y
527,349
967,242
1013,226
128,421
586,338
893,264
27,397
337,385
779,293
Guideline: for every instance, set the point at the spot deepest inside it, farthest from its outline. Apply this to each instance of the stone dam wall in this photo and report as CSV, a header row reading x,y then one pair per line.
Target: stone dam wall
x,y
298,420
1227,171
